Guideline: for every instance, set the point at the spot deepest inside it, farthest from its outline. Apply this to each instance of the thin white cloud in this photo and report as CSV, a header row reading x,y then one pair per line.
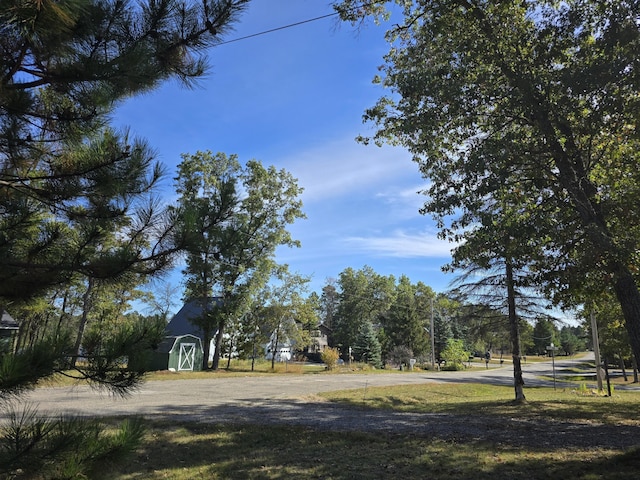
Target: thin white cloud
x,y
402,245
405,202
342,167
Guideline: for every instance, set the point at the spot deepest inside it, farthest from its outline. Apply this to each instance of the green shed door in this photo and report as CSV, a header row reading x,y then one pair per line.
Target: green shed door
x,y
187,356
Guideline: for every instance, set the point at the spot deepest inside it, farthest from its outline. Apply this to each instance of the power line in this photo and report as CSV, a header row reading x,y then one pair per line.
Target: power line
x,y
302,22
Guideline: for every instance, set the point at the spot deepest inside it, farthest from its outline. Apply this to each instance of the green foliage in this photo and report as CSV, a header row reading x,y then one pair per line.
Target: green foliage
x,y
367,346
328,304
523,117
21,370
454,354
329,357
570,342
78,206
69,181
285,313
118,357
364,296
404,322
62,448
613,337
544,333
232,218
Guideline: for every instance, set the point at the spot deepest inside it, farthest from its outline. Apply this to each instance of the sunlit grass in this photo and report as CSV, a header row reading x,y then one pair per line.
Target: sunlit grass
x,y
237,368
563,403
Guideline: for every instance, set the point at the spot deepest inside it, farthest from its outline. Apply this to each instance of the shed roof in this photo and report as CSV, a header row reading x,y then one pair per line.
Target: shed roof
x,y
181,324
7,322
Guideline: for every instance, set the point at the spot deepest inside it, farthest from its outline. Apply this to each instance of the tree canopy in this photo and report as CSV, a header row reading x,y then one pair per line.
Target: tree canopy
x,y
537,98
67,180
233,217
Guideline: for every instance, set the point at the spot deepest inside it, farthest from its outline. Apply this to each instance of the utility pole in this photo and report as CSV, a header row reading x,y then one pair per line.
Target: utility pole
x,y
433,340
596,350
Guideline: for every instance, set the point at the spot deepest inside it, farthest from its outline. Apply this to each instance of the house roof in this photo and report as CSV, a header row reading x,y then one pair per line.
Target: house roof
x,y
181,324
324,328
7,322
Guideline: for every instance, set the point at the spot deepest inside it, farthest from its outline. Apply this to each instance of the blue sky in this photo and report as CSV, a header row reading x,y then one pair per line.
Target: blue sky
x,y
294,98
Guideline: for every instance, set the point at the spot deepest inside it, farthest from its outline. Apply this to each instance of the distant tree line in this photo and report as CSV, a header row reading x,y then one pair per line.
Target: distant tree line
x,y
384,322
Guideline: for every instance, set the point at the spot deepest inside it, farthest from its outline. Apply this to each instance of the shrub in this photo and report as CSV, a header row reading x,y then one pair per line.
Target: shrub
x,y
399,355
454,354
66,447
330,357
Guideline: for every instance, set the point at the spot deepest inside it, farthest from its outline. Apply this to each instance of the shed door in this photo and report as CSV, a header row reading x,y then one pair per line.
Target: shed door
x,y
187,356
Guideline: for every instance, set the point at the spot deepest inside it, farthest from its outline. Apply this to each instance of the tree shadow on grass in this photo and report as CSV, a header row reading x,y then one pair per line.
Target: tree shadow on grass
x,y
509,427
249,451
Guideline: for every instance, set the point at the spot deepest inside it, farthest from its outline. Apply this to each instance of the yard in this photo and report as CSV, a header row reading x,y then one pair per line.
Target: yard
x,y
569,434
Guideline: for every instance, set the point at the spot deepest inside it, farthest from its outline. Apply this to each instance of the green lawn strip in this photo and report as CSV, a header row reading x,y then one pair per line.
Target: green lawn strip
x,y
237,369
190,451
585,372
560,404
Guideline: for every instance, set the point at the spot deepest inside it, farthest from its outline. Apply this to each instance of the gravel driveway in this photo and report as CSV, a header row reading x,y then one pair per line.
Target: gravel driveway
x,y
286,399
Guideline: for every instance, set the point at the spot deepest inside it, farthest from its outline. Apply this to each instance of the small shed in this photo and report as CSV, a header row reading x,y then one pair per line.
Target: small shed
x,y
178,353
181,323
8,329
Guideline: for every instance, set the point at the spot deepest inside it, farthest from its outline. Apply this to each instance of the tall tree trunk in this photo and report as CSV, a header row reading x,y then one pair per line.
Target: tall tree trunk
x,y
64,315
218,345
622,367
253,354
274,348
206,348
230,350
86,308
629,297
518,382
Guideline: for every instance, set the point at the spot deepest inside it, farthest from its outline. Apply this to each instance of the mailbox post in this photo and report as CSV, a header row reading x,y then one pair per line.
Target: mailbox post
x,y
552,348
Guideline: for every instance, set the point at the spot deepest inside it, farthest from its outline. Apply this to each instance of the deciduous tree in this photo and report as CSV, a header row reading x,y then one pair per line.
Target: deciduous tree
x,y
405,321
454,354
364,295
286,312
233,217
488,94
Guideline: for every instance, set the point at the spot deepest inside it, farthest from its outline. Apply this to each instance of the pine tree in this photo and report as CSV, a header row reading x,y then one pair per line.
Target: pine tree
x,y
67,180
76,196
368,347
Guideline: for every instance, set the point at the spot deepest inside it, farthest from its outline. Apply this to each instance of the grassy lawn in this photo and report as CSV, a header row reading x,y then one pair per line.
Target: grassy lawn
x,y
184,452
481,399
202,451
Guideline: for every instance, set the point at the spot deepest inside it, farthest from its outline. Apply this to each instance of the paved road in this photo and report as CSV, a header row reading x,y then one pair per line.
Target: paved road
x,y
188,397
